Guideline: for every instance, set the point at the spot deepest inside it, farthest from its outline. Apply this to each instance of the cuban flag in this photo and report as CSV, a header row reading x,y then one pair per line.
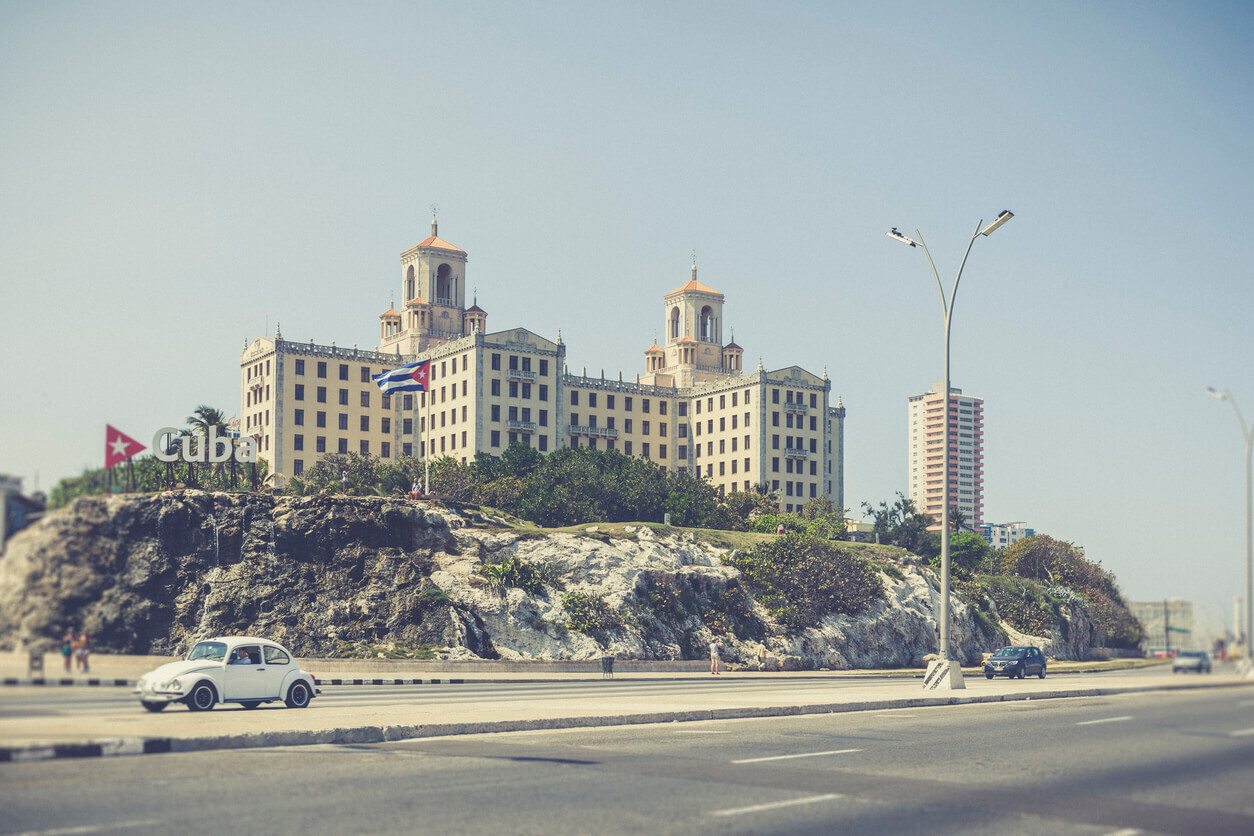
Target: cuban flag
x,y
409,378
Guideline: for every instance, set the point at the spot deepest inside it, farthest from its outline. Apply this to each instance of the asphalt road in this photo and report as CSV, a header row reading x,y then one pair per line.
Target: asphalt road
x,y
1157,762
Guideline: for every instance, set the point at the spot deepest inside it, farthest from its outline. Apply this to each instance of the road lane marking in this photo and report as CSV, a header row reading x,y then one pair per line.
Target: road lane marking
x,y
1241,733
1127,831
90,828
699,731
1105,720
1245,703
775,805
803,755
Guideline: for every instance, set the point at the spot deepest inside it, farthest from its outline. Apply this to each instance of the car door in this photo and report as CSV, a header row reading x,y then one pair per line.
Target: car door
x,y
244,680
277,665
1038,661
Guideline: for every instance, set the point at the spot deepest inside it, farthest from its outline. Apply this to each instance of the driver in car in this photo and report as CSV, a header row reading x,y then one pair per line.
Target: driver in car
x,y
241,658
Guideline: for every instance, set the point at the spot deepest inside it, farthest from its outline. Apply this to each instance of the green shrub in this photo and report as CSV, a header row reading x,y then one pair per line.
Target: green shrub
x,y
515,572
589,614
801,579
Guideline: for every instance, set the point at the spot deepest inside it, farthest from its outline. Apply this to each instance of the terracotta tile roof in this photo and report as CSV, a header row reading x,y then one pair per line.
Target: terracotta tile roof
x,y
694,285
732,344
415,302
390,312
475,309
653,349
440,244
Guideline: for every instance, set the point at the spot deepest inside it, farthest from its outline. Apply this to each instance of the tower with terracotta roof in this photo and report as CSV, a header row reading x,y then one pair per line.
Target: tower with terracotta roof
x,y
433,299
693,350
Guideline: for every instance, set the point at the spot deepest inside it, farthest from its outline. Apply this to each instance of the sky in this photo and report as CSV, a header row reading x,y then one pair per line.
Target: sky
x,y
178,179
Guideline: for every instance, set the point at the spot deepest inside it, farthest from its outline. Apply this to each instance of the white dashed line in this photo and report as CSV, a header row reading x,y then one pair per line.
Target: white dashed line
x,y
1127,831
1241,733
89,828
699,731
758,808
1105,720
803,755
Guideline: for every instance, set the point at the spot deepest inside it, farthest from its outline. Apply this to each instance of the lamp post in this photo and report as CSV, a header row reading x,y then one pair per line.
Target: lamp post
x,y
943,674
1247,664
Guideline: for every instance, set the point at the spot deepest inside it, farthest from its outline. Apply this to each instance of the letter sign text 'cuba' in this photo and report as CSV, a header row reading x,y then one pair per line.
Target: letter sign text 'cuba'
x,y
204,448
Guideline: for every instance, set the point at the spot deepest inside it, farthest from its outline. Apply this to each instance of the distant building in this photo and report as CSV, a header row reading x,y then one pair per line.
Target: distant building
x,y
19,511
694,409
1168,624
966,454
1002,535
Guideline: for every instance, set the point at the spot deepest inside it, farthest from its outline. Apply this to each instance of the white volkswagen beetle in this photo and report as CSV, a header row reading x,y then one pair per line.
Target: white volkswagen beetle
x,y
240,669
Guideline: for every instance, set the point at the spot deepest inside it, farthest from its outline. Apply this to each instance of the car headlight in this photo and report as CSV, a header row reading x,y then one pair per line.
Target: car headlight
x,y
173,685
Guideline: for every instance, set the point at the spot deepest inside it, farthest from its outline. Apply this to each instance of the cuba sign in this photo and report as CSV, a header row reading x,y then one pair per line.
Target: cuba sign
x,y
203,448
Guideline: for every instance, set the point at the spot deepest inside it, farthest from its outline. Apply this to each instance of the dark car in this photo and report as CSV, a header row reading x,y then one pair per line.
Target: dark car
x,y
1191,660
1015,661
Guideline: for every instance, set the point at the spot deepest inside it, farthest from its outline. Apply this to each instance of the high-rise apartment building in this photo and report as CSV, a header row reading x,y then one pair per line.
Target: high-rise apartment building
x,y
693,409
966,454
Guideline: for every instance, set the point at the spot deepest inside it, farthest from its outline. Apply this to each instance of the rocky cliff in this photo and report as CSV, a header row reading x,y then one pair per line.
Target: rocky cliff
x,y
151,574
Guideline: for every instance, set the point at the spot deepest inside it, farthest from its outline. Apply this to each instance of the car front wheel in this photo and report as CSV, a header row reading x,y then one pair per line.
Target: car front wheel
x,y
202,697
298,695
988,676
153,706
1023,672
1042,674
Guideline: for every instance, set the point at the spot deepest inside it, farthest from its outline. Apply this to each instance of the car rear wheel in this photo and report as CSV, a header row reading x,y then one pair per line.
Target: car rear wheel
x,y
298,695
153,706
202,697
250,703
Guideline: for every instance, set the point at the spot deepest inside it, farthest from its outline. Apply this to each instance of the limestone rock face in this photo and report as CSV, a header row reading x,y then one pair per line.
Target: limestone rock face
x,y
153,574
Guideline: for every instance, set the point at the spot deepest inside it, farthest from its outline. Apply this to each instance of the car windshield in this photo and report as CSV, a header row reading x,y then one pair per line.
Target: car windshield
x,y
1009,653
1197,654
211,651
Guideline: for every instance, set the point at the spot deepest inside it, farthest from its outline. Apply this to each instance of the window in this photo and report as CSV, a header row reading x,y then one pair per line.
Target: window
x,y
609,401
544,417
365,423
298,467
544,391
592,399
407,403
774,396
513,388
513,362
544,368
683,452
365,374
365,447
626,425
298,442
342,447
661,407
298,418
343,397
644,427
387,401
526,391
774,419
343,371
574,397
320,444
627,404
722,402
300,367
343,420
627,447
385,425
407,426
322,368
322,394
496,367
365,399
496,438
300,391
661,451
496,387
644,405
683,409
544,442
322,419
644,450
661,429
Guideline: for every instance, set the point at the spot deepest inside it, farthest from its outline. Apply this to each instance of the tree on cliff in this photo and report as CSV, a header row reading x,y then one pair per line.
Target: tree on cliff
x,y
902,524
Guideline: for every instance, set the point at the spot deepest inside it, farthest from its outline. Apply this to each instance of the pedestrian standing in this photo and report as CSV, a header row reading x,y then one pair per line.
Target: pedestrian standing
x,y
67,649
779,529
716,649
344,479
81,645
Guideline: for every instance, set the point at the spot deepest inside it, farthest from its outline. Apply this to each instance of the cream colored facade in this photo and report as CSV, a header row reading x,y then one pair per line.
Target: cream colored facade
x,y
693,409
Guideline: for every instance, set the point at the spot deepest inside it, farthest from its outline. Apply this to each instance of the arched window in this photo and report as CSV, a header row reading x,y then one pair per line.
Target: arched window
x,y
409,283
707,324
444,284
674,323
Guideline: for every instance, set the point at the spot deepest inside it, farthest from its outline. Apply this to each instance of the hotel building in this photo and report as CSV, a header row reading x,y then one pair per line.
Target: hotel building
x,y
693,409
966,454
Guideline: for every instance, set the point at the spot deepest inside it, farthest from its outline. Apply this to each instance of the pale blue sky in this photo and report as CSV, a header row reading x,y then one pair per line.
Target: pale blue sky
x,y
178,178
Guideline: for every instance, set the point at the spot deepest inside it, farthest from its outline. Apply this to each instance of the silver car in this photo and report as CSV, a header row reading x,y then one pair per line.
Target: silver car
x,y
1191,660
241,669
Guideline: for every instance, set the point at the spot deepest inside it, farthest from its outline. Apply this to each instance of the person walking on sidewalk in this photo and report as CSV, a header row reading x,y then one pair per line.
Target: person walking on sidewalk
x,y
67,649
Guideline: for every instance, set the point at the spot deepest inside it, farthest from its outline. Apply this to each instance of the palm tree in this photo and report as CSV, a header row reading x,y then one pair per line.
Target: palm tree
x,y
202,419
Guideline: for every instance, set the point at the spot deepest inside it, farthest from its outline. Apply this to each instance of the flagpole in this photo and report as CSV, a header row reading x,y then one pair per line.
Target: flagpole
x,y
426,458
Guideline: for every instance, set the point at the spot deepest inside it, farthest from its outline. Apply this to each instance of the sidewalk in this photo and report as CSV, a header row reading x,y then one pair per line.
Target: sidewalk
x,y
130,730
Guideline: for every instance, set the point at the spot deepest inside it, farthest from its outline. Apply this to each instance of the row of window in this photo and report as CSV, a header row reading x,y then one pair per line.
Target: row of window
x,y
517,389
517,363
611,402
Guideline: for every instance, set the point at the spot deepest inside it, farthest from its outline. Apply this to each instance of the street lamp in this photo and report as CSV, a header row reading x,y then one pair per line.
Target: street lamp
x,y
944,674
1247,664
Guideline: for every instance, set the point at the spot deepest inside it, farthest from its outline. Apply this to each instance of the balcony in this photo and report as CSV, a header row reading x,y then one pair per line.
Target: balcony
x,y
796,406
795,453
521,374
593,432
521,426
